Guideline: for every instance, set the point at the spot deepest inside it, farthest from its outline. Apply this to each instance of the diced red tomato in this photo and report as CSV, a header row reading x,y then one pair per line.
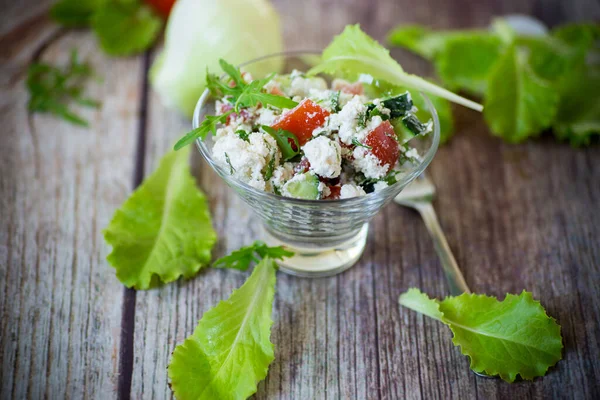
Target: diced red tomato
x,y
302,120
335,193
303,165
383,143
347,87
163,7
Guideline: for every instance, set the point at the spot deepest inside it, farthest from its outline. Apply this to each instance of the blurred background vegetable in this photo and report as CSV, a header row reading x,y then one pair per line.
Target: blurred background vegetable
x,y
531,80
199,33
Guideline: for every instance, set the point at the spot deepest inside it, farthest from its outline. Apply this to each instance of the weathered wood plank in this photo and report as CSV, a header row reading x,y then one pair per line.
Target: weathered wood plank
x,y
59,184
346,337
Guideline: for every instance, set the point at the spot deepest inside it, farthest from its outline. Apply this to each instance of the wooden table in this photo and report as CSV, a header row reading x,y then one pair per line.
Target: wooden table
x,y
517,216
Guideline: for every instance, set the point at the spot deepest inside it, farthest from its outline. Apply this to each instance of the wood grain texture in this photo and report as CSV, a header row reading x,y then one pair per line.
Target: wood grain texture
x,y
517,216
60,302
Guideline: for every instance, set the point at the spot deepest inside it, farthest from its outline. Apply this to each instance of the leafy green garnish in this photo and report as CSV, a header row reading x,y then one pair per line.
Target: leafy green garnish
x,y
208,125
243,257
241,95
530,83
75,13
507,338
286,141
230,349
335,102
243,134
125,27
359,144
353,53
51,89
244,94
163,230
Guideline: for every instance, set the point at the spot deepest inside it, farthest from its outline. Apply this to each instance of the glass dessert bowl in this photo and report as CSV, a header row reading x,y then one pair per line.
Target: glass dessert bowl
x,y
327,236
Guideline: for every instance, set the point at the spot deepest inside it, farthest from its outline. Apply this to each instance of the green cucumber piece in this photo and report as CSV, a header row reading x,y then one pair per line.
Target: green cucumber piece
x,y
307,188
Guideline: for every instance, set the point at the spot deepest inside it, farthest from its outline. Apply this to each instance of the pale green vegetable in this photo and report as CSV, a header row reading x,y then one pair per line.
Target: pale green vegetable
x,y
200,32
353,53
230,349
511,337
163,230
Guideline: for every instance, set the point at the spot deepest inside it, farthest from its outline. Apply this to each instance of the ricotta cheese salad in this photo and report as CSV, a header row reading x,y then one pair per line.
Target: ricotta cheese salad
x,y
335,143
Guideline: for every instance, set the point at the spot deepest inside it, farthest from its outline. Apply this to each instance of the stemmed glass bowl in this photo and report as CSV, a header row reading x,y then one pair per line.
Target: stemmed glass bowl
x,y
327,236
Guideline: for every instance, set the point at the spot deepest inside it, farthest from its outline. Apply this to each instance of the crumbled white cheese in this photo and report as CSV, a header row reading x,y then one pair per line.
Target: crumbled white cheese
x,y
346,120
245,160
324,190
373,123
266,116
368,164
380,185
282,174
412,154
324,156
350,190
301,86
381,108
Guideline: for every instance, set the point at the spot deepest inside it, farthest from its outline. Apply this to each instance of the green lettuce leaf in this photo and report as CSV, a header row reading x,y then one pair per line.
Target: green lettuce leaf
x,y
511,337
163,230
230,350
466,61
126,27
578,117
353,53
75,13
518,104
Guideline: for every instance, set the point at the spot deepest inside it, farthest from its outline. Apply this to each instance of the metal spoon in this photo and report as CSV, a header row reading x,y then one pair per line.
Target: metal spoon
x,y
419,196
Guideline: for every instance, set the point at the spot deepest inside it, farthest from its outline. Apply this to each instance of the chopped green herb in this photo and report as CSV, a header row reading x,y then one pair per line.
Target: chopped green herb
x,y
231,169
270,168
242,134
287,142
243,257
361,119
52,88
357,143
335,102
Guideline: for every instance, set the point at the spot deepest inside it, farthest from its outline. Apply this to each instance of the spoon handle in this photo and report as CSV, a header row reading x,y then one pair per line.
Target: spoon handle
x,y
455,278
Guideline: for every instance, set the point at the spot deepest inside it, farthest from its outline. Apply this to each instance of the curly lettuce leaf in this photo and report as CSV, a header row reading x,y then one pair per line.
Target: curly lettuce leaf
x,y
354,53
518,104
163,230
511,337
230,349
578,116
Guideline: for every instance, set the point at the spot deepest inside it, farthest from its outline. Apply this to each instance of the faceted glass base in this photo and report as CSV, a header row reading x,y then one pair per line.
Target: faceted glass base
x,y
314,260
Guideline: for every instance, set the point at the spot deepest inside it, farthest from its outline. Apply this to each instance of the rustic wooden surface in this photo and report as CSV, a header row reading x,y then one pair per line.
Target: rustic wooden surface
x,y
517,217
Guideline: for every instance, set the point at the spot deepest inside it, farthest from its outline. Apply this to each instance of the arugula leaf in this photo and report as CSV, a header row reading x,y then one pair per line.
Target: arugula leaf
x,y
208,125
511,337
243,257
518,103
75,13
51,89
163,230
230,349
126,27
353,53
286,141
